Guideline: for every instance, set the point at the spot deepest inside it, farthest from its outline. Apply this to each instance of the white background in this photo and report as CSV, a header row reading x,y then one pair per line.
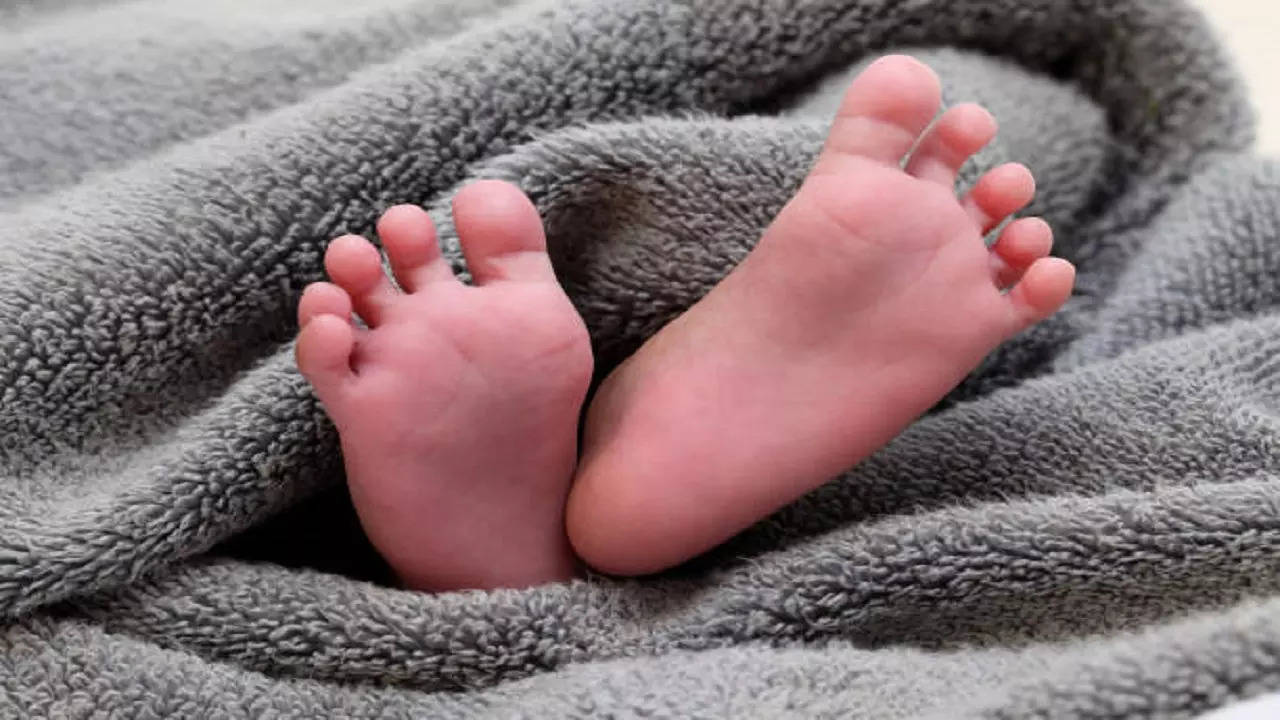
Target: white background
x,y
1251,28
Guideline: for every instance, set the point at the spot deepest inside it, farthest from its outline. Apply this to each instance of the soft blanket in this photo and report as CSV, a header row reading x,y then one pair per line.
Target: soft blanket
x,y
1089,527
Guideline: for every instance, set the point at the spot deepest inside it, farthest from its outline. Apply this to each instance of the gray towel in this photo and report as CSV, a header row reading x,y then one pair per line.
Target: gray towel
x,y
1088,527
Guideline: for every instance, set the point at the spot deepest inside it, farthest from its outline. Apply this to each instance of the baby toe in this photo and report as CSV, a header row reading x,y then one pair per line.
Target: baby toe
x,y
409,237
959,133
323,354
355,266
998,194
323,298
1043,289
1020,244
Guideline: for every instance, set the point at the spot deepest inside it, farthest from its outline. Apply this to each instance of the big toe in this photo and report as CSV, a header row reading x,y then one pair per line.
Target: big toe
x,y
501,234
884,111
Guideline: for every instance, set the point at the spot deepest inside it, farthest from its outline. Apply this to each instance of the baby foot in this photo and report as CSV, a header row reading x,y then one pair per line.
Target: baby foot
x,y
458,406
870,297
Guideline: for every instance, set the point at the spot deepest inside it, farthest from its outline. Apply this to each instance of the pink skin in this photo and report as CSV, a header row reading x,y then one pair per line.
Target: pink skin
x,y
868,299
458,407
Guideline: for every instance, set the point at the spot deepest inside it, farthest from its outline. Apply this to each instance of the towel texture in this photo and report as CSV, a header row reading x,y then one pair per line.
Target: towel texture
x,y
1088,527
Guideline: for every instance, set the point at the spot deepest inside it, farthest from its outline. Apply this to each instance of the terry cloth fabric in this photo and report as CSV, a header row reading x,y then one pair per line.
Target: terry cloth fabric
x,y
1088,527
